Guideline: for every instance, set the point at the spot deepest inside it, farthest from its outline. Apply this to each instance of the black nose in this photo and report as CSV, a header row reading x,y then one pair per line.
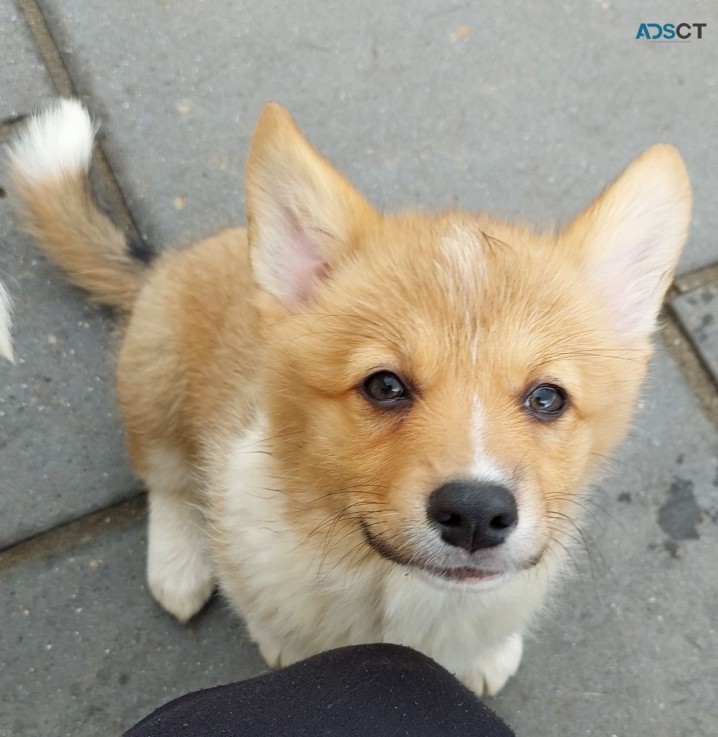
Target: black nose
x,y
473,515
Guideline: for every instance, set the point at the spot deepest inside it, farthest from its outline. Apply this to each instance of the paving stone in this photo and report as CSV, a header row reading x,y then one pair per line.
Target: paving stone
x,y
61,447
629,648
527,110
698,311
25,82
86,651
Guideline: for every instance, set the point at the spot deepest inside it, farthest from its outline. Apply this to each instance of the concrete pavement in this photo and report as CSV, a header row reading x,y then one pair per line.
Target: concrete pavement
x,y
528,112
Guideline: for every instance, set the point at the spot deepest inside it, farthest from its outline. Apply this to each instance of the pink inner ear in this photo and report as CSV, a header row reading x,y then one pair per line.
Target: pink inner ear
x,y
631,281
306,265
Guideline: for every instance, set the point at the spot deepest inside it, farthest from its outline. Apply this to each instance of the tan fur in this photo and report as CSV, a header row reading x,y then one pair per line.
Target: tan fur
x,y
79,238
239,385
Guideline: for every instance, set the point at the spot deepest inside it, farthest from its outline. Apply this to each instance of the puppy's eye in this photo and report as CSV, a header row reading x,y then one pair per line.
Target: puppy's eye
x,y
546,401
385,389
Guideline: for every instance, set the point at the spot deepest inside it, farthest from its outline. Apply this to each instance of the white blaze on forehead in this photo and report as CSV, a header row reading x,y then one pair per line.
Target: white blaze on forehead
x,y
474,347
483,467
461,267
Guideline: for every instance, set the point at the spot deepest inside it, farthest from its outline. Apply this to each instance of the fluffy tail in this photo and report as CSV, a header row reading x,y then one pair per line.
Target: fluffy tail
x,y
49,163
5,315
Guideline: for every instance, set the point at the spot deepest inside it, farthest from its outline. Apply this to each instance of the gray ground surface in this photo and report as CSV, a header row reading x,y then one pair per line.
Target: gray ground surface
x,y
528,113
698,312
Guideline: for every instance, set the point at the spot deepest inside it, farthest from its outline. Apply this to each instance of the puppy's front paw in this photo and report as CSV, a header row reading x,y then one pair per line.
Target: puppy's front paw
x,y
179,570
277,654
181,590
179,574
271,652
495,667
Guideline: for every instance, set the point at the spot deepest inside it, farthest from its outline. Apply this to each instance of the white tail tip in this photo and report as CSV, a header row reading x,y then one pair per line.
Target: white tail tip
x,y
5,323
55,142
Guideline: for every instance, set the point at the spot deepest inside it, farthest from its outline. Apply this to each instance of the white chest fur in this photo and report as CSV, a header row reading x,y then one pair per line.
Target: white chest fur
x,y
298,599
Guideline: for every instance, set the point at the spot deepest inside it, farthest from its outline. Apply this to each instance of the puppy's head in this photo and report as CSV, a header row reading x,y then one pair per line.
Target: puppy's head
x,y
442,387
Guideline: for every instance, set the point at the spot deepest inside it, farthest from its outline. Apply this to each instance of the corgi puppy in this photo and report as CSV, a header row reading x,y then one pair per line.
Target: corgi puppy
x,y
366,427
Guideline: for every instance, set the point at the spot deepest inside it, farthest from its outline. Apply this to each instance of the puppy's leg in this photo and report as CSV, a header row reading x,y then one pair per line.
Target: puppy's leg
x,y
271,652
179,570
494,667
277,656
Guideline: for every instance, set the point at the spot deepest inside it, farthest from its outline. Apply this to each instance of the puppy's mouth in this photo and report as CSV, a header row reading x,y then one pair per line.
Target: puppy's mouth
x,y
465,575
470,576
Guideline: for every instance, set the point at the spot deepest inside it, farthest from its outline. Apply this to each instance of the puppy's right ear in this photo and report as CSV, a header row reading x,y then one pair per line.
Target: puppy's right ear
x,y
632,237
303,216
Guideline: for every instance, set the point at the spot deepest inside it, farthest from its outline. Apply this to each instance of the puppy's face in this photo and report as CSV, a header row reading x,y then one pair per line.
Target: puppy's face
x,y
442,387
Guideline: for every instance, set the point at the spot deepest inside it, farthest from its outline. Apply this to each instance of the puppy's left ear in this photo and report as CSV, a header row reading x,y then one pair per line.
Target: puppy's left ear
x,y
303,215
632,237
